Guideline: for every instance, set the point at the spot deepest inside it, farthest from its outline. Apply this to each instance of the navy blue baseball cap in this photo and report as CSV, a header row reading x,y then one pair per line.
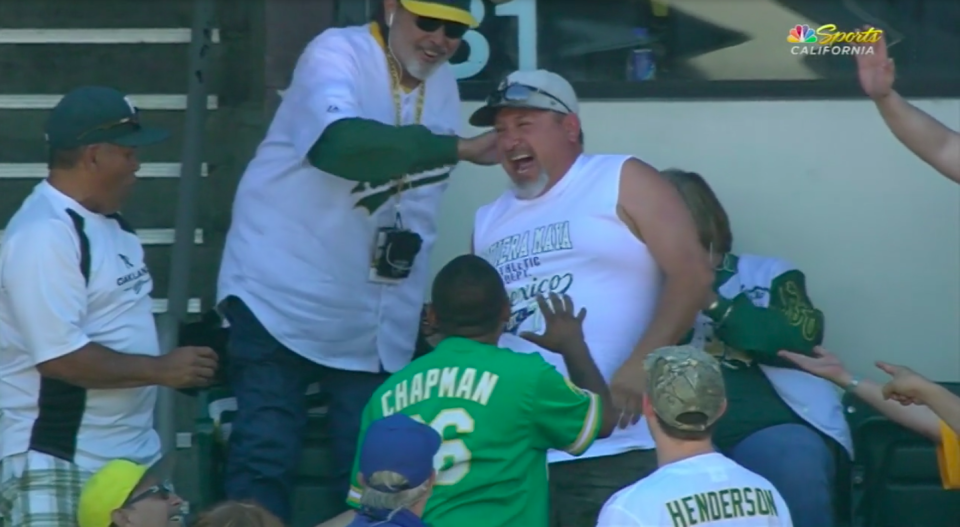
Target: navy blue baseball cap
x,y
399,444
90,115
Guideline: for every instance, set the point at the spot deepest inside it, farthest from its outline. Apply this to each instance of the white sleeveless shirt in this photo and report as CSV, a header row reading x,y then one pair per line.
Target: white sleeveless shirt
x,y
571,240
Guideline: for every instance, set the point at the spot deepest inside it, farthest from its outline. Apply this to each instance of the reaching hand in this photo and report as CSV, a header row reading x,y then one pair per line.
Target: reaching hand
x,y
823,364
563,326
906,387
876,70
627,387
188,367
481,149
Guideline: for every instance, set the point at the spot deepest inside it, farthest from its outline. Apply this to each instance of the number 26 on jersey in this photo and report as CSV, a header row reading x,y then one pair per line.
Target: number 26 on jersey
x,y
452,461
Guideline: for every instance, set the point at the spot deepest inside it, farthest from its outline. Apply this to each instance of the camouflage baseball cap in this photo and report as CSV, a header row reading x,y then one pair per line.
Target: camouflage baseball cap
x,y
685,386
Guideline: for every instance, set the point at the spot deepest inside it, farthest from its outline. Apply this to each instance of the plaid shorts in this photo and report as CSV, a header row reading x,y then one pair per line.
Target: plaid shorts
x,y
39,490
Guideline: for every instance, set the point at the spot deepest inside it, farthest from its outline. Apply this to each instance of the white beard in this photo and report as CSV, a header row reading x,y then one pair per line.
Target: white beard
x,y
418,70
533,189
413,67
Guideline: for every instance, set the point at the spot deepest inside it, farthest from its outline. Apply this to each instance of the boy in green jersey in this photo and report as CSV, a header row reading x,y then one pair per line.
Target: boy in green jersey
x,y
497,411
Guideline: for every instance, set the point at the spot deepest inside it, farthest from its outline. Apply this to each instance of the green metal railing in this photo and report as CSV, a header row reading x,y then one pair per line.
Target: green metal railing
x,y
201,45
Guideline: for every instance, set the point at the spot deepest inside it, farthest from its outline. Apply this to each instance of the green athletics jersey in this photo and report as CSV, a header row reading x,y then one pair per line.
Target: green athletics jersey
x,y
498,412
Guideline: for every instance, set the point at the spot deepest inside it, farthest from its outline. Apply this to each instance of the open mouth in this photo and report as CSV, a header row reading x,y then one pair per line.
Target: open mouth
x,y
430,56
523,164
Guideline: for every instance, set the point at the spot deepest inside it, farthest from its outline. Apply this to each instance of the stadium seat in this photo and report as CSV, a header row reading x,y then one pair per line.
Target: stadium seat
x,y
895,481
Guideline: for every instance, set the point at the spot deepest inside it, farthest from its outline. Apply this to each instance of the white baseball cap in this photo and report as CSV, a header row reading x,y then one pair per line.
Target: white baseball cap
x,y
536,89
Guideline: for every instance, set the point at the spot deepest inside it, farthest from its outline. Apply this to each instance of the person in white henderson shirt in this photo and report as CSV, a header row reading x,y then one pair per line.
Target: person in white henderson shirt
x,y
694,485
610,232
325,264
78,345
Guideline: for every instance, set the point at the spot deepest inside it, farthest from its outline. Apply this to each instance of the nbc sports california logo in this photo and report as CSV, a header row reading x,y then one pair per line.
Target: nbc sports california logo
x,y
827,40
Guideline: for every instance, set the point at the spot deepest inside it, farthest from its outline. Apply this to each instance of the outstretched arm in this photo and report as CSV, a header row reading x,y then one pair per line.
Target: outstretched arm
x,y
826,365
930,140
918,418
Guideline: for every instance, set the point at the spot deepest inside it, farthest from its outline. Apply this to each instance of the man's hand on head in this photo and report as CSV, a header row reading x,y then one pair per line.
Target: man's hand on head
x,y
481,149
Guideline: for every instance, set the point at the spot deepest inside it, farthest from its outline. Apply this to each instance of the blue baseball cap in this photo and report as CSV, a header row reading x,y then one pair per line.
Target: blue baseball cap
x,y
399,444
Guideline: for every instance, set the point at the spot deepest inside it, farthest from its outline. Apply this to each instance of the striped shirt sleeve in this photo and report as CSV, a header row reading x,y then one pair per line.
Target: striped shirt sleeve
x,y
566,417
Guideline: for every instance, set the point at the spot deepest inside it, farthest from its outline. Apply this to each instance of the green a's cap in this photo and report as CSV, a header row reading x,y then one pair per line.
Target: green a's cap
x,y
96,114
685,386
451,10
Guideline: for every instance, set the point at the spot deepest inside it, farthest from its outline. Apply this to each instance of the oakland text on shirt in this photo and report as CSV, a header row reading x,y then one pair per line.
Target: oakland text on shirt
x,y
133,280
371,197
726,504
451,382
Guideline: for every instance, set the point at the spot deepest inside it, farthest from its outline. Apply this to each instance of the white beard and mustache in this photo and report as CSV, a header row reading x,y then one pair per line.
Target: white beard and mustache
x,y
413,67
531,189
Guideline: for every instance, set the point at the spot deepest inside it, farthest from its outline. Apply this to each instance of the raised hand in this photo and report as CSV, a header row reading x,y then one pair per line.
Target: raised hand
x,y
876,70
564,324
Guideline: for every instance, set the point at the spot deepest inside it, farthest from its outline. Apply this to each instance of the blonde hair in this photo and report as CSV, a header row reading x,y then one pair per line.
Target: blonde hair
x,y
713,224
238,514
392,501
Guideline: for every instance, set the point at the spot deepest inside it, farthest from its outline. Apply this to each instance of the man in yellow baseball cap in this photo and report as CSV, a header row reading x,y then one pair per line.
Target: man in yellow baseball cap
x,y
447,10
125,494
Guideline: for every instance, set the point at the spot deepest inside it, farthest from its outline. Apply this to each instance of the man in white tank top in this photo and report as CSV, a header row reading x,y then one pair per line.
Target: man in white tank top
x,y
611,233
695,485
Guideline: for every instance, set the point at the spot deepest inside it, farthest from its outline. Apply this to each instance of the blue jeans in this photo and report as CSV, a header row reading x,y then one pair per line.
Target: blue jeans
x,y
269,382
800,464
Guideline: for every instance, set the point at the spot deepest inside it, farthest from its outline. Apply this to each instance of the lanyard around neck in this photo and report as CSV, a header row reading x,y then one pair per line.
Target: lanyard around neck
x,y
396,88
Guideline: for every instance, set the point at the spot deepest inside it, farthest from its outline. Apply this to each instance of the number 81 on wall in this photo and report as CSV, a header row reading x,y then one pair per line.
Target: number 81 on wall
x,y
526,13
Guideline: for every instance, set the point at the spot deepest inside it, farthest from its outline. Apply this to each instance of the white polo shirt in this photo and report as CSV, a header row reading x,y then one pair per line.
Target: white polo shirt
x,y
709,489
301,240
47,311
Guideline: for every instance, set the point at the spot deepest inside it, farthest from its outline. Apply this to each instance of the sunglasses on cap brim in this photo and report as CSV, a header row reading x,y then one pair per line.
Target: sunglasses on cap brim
x,y
133,122
520,94
453,30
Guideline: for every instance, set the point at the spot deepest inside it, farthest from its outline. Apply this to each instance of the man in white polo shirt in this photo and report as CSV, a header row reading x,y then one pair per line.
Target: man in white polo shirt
x,y
695,485
610,232
78,345
325,264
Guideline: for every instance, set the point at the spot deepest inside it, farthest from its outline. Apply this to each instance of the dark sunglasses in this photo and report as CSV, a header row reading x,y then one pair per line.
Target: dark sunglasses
x,y
162,491
133,121
520,93
453,30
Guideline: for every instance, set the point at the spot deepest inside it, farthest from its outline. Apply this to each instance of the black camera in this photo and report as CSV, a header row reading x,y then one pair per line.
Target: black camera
x,y
396,251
